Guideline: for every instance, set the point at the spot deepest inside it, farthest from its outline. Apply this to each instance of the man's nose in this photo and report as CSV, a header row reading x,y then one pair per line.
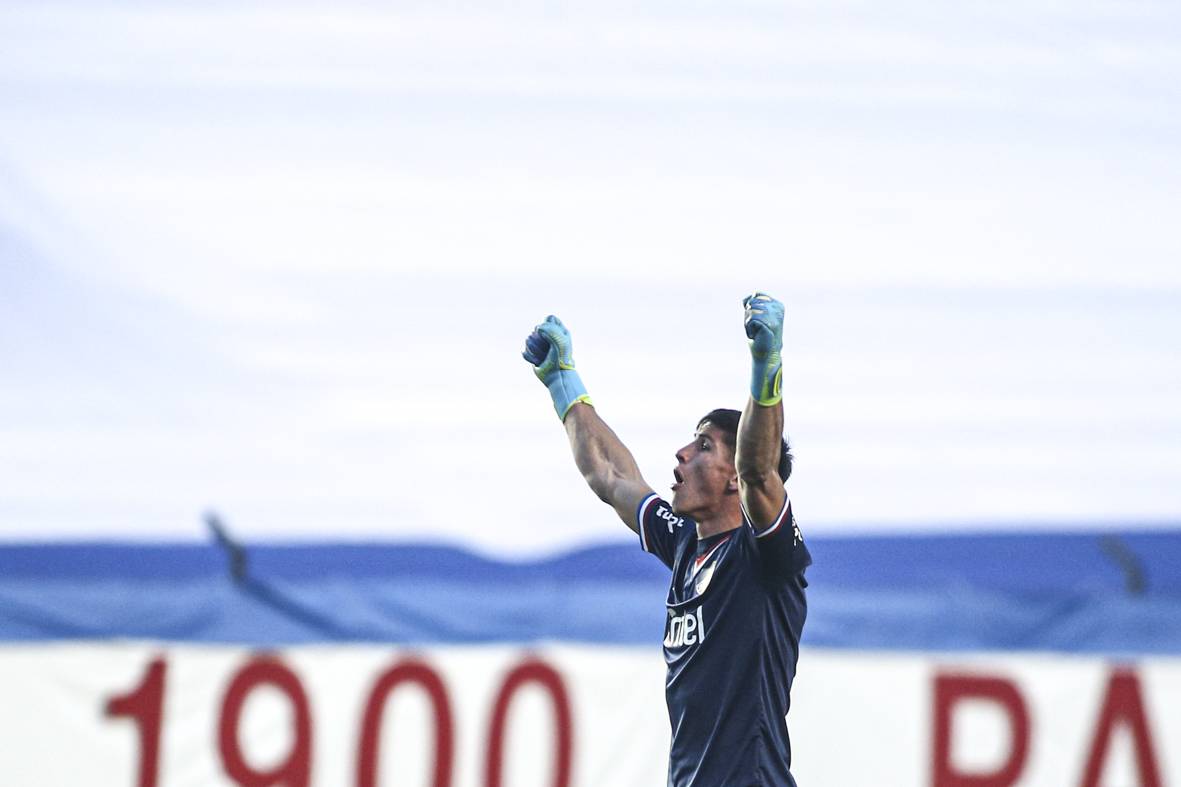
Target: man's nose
x,y
680,455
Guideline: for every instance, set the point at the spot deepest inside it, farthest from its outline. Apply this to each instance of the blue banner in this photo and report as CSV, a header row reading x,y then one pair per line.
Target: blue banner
x,y
1075,592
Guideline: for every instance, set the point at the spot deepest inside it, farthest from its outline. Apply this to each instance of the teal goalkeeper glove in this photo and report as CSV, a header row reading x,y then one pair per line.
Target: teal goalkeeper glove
x,y
551,351
764,329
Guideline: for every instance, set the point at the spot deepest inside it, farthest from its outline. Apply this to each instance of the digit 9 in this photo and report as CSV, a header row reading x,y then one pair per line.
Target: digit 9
x,y
295,769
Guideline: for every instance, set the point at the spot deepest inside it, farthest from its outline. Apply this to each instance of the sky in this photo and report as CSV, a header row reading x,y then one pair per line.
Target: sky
x,y
278,260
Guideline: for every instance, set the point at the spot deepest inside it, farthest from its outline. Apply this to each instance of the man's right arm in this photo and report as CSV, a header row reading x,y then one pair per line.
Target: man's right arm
x,y
602,458
604,461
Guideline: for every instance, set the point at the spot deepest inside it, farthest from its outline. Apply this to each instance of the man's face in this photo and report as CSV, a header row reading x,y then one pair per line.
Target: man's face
x,y
704,473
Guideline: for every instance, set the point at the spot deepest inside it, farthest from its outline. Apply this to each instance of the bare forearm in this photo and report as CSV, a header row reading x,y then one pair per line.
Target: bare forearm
x,y
760,435
600,455
604,462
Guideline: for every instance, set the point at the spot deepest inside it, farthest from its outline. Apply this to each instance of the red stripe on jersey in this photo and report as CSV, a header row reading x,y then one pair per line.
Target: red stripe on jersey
x,y
640,514
699,562
779,520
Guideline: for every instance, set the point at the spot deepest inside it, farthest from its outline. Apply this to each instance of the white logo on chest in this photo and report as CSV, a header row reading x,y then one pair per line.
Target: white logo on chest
x,y
687,628
701,581
702,570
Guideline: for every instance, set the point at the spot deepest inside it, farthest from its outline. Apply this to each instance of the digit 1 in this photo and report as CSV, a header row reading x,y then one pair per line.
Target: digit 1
x,y
145,706
295,771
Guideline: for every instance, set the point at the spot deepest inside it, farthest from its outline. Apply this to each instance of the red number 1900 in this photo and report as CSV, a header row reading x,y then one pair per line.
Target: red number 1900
x,y
145,703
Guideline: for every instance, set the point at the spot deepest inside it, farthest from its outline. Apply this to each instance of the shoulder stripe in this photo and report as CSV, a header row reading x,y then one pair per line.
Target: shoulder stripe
x,y
780,518
641,510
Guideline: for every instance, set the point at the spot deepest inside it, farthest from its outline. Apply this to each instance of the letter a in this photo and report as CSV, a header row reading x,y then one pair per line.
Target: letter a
x,y
1122,705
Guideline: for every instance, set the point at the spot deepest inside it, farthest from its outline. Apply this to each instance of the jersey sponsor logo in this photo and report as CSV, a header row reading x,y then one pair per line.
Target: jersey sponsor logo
x,y
670,518
684,629
795,531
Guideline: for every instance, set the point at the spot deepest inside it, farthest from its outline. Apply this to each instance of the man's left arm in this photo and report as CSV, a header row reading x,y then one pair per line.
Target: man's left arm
x,y
760,430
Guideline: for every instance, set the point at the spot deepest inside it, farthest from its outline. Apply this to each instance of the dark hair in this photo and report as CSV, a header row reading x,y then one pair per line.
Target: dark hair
x,y
727,422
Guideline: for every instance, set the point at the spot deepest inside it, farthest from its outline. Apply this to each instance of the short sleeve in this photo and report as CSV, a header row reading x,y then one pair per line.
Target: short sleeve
x,y
660,529
781,547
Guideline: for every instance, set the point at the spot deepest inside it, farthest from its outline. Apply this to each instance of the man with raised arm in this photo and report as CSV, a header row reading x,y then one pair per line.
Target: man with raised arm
x,y
736,602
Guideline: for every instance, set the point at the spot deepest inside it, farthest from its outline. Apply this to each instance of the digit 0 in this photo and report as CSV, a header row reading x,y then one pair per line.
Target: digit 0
x,y
295,769
408,671
531,671
145,706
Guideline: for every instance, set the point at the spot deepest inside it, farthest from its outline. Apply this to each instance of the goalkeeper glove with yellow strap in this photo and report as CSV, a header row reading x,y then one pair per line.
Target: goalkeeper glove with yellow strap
x,y
764,329
551,351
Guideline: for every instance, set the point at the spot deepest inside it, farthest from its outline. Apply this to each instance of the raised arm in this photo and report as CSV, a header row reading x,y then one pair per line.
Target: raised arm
x,y
604,461
760,430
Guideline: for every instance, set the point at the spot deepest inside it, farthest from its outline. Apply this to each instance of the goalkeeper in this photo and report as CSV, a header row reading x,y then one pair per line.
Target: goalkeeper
x,y
736,603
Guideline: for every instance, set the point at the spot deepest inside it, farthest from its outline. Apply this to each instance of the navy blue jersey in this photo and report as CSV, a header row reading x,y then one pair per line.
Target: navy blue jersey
x,y
736,608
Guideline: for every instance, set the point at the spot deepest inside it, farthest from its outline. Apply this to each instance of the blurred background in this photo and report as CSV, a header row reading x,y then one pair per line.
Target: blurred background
x,y
272,265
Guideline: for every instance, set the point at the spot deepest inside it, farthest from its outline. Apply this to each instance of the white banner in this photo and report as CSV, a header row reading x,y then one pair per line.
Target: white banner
x,y
138,715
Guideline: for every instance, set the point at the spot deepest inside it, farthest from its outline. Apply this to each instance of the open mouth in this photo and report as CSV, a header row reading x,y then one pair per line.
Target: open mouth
x,y
679,479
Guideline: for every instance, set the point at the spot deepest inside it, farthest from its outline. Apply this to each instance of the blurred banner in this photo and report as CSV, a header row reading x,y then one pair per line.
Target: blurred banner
x,y
986,660
141,714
